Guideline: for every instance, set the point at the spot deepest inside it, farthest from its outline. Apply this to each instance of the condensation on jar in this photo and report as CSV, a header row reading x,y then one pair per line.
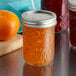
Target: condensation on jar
x,y
72,8
38,37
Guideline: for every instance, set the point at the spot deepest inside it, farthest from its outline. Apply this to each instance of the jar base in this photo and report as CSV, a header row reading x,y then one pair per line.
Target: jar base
x,y
40,65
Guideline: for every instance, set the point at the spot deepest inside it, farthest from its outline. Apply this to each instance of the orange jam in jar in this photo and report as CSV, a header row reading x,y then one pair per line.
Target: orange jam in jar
x,y
38,37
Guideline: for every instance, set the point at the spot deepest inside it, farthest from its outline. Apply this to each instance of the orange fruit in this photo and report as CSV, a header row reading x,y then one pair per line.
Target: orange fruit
x,y
9,25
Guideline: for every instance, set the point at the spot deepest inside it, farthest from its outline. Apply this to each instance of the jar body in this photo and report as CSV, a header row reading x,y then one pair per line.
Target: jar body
x,y
38,45
60,7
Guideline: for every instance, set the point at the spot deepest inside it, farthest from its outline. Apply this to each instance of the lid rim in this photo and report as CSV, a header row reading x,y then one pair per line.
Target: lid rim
x,y
72,6
41,25
41,22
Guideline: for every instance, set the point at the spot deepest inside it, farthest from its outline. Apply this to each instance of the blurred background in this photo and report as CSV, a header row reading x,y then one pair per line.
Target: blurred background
x,y
20,6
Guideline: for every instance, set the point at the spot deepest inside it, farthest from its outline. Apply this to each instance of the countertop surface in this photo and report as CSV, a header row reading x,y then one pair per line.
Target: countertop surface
x,y
64,64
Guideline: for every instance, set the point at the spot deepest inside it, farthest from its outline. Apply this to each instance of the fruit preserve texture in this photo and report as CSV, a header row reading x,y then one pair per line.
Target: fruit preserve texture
x,y
38,45
60,7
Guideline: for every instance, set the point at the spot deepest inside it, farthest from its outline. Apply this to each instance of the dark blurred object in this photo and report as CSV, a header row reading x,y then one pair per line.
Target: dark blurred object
x,y
60,7
72,8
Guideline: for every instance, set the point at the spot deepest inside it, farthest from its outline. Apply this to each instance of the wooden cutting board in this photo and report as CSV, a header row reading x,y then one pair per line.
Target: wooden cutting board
x,y
11,45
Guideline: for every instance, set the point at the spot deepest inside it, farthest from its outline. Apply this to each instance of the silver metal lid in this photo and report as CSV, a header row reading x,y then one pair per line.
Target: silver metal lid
x,y
39,18
72,5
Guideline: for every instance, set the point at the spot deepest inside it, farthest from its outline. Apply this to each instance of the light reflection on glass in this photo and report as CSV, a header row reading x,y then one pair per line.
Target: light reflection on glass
x,y
62,54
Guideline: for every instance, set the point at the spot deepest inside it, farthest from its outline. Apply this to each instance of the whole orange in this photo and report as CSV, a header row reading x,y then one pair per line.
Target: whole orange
x,y
9,25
